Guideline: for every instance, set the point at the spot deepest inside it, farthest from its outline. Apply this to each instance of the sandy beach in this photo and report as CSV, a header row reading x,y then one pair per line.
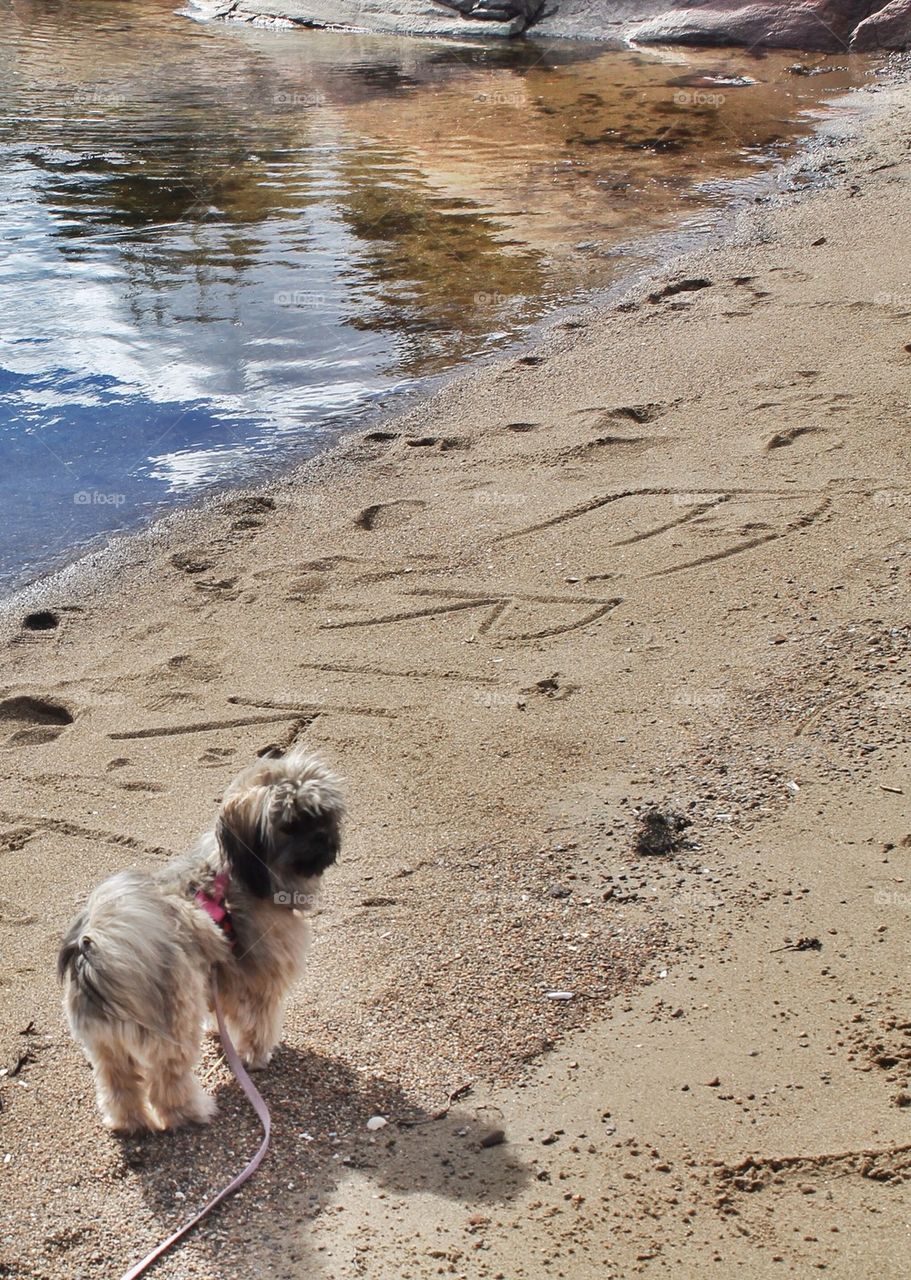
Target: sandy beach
x,y
659,558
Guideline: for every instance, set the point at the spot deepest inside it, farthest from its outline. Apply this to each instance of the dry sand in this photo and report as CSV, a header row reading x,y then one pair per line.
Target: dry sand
x,y
663,557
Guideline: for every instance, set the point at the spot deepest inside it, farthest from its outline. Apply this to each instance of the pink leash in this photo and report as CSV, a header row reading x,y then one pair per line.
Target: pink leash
x,y
261,1110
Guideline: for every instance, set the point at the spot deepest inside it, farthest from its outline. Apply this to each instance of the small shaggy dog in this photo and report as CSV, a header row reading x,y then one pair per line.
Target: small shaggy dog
x,y
137,963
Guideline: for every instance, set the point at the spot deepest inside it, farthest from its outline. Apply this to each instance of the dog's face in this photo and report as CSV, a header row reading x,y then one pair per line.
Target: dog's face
x,y
280,825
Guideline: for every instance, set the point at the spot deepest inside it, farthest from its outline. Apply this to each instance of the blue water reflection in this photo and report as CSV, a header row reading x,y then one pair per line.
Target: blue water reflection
x,y
220,245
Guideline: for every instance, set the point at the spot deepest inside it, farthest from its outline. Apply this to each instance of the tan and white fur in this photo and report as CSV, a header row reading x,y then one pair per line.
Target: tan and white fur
x,y
137,962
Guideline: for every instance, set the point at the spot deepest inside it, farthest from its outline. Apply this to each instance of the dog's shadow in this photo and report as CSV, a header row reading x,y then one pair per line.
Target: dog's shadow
x,y
320,1108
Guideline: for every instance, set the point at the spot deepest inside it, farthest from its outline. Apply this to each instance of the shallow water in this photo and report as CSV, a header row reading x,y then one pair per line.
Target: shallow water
x,y
224,243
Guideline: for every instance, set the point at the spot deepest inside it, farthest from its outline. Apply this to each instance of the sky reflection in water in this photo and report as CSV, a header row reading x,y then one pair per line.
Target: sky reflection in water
x,y
222,244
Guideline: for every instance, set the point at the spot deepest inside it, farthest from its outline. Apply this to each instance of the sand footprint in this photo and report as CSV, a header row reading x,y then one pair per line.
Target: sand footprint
x,y
33,720
640,414
41,620
693,285
388,515
249,512
785,438
597,448
441,444
11,915
191,561
16,838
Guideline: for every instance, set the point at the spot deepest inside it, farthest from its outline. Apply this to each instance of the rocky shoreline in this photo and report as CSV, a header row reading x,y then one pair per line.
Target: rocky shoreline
x,y
819,25
447,19
824,25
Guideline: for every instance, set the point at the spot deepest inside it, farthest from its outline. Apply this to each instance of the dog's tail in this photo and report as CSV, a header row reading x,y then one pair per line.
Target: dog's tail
x,y
119,955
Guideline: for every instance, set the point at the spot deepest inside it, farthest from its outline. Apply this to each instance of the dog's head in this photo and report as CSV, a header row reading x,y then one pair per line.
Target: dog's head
x,y
280,824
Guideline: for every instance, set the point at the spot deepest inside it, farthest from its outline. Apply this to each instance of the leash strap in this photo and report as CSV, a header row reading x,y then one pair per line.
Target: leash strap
x,y
261,1110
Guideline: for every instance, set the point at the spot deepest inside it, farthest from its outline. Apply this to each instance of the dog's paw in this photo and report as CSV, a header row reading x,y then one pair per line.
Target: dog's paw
x,y
256,1059
200,1109
204,1109
126,1123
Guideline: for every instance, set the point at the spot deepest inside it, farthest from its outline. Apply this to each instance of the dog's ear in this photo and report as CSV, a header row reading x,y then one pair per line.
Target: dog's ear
x,y
245,862
69,953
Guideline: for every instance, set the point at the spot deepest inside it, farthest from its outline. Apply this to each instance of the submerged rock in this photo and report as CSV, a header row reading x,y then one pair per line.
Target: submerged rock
x,y
825,25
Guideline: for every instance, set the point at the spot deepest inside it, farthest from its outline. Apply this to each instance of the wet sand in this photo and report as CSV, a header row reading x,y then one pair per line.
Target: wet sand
x,y
661,557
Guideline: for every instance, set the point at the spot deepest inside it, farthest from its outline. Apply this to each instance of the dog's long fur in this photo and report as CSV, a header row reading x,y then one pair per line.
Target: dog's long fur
x,y
137,963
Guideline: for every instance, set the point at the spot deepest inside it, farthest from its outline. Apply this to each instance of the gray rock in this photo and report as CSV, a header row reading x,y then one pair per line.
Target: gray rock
x,y
890,28
825,25
392,17
592,19
828,25
496,10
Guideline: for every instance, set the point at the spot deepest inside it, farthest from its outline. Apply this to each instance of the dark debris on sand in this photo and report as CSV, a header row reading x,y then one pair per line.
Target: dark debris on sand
x,y
660,831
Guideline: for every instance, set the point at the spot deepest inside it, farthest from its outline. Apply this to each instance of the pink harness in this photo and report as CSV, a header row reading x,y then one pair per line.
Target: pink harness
x,y
213,904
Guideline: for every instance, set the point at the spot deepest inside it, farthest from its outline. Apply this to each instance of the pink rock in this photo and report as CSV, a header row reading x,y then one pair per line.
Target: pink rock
x,y
890,28
812,24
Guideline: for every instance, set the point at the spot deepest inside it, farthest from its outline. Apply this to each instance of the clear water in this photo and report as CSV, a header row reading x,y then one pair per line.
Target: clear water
x,y
221,243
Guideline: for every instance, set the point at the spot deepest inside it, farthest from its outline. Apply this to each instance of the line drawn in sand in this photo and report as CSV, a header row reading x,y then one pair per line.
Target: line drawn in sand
x,y
345,668
700,502
313,709
303,714
61,826
793,526
496,607
696,510
199,726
